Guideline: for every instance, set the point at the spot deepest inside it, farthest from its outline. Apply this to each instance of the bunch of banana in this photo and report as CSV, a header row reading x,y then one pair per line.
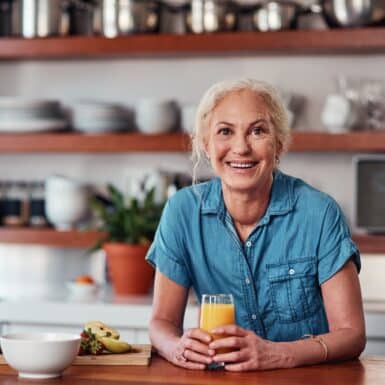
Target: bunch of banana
x,y
97,338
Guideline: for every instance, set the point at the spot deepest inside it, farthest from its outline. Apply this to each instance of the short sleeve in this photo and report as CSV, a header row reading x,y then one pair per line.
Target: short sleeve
x,y
336,246
168,252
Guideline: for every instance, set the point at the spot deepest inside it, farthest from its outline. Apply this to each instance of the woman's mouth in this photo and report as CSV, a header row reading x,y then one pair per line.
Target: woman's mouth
x,y
242,165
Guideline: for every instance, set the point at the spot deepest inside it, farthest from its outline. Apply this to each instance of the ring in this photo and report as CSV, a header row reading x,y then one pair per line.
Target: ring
x,y
181,357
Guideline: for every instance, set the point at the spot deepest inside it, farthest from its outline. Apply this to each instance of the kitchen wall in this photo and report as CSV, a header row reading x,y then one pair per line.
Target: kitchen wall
x,y
184,79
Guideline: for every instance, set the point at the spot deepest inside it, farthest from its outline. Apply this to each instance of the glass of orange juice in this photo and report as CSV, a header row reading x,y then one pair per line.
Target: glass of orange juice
x,y
217,310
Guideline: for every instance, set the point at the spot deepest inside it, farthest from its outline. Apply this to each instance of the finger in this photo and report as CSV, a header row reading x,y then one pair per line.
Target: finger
x,y
197,346
228,342
232,329
236,356
239,367
199,334
190,365
196,357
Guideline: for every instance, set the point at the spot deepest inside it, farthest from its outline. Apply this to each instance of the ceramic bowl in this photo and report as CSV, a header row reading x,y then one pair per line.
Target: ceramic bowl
x,y
82,291
156,116
40,355
66,202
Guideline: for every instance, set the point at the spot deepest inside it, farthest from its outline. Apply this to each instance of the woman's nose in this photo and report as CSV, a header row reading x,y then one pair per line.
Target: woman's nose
x,y
241,145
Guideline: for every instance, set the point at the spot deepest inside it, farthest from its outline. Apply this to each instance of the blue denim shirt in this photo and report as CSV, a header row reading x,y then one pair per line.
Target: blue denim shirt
x,y
301,241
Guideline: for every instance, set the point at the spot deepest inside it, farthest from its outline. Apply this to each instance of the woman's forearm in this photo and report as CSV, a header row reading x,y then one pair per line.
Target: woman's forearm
x,y
164,336
342,344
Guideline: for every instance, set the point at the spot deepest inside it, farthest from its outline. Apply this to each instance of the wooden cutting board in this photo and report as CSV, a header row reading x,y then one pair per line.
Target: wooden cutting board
x,y
140,356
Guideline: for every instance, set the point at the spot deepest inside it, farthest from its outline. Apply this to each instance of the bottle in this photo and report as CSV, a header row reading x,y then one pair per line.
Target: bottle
x,y
37,216
15,204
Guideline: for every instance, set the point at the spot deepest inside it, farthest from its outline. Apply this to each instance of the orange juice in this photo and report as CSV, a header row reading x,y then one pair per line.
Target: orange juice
x,y
215,315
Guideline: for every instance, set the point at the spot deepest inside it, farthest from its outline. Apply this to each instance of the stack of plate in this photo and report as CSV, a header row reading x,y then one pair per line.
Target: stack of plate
x,y
30,115
97,117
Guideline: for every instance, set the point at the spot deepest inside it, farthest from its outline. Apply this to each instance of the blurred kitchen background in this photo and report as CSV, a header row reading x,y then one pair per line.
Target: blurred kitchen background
x,y
157,94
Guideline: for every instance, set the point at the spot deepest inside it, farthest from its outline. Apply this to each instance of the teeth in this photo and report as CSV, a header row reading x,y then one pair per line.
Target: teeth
x,y
241,165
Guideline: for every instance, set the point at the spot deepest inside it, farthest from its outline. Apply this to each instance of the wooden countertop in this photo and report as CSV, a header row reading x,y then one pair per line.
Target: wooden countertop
x,y
366,371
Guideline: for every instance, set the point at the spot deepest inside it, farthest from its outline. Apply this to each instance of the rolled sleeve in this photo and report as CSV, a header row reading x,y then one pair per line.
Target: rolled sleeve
x,y
336,246
167,252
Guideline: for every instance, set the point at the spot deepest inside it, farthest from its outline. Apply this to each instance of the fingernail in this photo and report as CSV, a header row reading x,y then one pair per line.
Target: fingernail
x,y
208,339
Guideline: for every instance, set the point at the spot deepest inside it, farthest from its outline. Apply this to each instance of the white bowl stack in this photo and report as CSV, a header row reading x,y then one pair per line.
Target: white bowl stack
x,y
97,117
18,115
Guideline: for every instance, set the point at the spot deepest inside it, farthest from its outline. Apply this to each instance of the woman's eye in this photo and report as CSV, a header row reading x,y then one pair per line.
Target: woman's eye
x,y
257,130
224,131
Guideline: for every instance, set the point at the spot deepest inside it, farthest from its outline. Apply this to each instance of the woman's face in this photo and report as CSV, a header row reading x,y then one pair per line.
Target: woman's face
x,y
241,142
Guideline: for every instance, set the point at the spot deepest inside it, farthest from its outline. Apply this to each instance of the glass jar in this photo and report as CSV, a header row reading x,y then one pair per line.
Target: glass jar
x,y
37,216
15,204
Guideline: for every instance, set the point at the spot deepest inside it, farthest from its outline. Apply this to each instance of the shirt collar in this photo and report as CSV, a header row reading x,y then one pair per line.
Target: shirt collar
x,y
281,200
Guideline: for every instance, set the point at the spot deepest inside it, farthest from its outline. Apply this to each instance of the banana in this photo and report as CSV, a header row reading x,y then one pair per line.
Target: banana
x,y
115,346
100,330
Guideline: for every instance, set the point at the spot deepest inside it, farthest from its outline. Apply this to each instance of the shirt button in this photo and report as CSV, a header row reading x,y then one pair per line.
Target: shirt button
x,y
291,271
248,244
253,316
247,281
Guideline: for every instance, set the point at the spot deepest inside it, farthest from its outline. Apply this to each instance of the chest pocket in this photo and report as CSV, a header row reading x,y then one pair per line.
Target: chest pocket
x,y
294,289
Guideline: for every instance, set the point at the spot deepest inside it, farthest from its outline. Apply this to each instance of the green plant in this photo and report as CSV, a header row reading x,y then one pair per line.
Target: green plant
x,y
132,222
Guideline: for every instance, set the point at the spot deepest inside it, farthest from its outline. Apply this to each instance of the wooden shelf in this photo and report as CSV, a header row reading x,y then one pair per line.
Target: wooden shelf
x,y
49,237
336,41
84,239
108,143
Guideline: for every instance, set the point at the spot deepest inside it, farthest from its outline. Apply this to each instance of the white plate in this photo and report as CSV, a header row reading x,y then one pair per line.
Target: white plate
x,y
32,125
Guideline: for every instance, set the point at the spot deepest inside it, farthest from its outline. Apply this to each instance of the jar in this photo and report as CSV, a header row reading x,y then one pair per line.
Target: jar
x,y
15,205
174,17
37,216
6,13
81,17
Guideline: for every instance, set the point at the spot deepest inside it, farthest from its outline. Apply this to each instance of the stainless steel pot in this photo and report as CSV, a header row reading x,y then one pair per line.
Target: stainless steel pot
x,y
40,18
277,15
122,17
353,13
212,16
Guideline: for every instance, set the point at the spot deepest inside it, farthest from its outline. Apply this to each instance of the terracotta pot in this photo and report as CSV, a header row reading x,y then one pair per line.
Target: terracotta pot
x,y
128,270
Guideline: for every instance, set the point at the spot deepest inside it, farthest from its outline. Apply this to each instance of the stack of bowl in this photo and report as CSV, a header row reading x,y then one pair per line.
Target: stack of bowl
x,y
30,115
96,117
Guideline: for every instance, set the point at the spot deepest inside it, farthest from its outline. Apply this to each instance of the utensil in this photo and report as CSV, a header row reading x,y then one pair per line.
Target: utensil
x,y
277,16
122,17
40,355
212,16
40,18
353,13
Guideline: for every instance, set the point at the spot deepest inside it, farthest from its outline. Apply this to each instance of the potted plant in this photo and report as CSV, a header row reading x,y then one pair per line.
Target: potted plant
x,y
129,228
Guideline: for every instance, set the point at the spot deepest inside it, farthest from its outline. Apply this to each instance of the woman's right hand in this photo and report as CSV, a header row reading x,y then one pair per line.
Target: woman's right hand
x,y
192,351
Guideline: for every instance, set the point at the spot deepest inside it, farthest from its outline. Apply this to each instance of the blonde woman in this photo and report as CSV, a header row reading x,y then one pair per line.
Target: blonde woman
x,y
281,247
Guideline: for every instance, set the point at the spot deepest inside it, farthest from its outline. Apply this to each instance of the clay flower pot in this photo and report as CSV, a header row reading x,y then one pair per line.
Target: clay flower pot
x,y
129,272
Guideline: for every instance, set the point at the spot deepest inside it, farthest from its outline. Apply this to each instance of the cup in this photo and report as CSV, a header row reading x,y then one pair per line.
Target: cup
x,y
217,310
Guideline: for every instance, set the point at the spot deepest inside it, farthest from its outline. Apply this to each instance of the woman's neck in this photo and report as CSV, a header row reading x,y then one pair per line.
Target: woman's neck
x,y
246,207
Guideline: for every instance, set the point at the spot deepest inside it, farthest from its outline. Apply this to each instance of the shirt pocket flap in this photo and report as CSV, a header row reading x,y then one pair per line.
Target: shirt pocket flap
x,y
295,268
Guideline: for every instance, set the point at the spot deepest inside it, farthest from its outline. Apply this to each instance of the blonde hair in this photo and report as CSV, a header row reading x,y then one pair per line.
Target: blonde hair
x,y
217,92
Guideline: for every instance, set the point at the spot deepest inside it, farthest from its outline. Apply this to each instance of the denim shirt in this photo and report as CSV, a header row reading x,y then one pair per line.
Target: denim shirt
x,y
301,241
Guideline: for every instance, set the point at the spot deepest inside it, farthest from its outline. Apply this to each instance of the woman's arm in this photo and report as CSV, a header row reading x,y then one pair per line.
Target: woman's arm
x,y
188,349
346,339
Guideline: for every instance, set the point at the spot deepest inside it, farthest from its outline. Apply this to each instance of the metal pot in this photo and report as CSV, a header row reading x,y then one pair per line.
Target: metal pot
x,y
40,18
277,15
353,13
122,17
212,16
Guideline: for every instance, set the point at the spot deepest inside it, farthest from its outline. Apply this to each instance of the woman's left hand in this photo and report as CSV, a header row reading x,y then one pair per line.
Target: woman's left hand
x,y
249,351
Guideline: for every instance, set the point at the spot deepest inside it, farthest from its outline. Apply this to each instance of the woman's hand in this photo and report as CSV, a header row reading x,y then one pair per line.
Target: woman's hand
x,y
192,351
249,352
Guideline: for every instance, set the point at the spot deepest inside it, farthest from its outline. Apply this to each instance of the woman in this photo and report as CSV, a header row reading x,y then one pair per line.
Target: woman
x,y
279,246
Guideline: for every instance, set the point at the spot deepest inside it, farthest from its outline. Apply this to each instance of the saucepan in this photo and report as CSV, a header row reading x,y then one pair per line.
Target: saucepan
x,y
353,13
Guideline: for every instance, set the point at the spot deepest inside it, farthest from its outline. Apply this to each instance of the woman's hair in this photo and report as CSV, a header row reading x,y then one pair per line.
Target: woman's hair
x,y
217,92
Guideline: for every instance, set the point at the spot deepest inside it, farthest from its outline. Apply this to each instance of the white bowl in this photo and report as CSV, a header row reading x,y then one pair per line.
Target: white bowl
x,y
40,355
82,291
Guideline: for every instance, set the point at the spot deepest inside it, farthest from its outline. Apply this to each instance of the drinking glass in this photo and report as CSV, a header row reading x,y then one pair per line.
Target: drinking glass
x,y
217,310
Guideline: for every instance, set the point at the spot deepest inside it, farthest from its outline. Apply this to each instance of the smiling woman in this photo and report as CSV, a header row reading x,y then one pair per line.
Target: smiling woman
x,y
279,246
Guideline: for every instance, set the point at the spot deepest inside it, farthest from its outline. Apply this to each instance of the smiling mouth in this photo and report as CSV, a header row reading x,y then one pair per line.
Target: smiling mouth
x,y
242,165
